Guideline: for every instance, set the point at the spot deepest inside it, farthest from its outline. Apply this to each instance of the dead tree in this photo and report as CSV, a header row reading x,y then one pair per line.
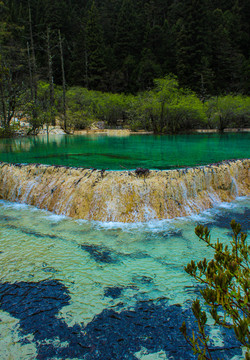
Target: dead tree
x,y
63,82
51,80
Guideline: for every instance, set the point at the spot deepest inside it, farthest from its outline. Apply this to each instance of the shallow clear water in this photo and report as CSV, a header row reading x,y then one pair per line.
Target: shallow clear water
x,y
90,290
117,153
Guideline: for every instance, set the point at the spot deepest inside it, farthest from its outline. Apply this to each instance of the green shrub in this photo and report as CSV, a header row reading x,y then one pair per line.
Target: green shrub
x,y
97,105
7,132
228,111
226,281
167,108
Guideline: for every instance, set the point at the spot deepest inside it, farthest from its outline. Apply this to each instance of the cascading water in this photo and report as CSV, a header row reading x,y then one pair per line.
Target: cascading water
x,y
122,195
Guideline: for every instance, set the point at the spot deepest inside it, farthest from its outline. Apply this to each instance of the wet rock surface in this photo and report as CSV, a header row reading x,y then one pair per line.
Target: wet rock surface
x,y
117,196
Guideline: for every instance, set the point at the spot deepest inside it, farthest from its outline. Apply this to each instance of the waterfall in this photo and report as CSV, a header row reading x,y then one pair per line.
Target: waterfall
x,y
122,195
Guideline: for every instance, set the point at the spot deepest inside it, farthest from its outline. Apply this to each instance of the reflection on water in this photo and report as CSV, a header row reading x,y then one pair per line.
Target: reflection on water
x,y
93,290
111,152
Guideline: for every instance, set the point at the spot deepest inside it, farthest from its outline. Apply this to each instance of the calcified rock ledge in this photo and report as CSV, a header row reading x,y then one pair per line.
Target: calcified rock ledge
x,y
122,195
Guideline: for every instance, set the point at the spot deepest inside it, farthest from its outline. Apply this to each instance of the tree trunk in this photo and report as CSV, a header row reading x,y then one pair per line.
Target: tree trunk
x,y
33,62
51,82
30,72
63,82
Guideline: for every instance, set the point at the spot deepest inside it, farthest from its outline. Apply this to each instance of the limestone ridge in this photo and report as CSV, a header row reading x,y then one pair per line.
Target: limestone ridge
x,y
122,195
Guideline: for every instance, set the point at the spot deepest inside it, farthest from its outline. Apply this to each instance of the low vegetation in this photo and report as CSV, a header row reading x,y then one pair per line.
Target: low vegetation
x,y
165,109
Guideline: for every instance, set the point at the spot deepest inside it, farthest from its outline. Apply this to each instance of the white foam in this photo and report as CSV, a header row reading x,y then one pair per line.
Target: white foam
x,y
21,206
56,218
17,206
242,198
169,224
153,225
80,221
226,205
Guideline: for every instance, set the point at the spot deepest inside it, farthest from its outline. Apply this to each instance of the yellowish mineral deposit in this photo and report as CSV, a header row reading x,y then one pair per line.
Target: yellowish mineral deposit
x,y
123,195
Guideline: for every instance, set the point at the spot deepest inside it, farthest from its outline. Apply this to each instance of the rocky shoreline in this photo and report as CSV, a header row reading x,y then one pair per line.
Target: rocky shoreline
x,y
57,130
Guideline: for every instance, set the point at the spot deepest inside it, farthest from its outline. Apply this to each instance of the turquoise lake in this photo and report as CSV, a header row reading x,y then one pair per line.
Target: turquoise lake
x,y
92,290
130,152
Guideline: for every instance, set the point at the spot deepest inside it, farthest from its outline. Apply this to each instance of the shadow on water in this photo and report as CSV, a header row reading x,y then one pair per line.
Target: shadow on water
x,y
110,335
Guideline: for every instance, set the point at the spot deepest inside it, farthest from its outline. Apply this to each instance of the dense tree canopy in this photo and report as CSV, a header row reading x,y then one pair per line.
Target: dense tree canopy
x,y
122,45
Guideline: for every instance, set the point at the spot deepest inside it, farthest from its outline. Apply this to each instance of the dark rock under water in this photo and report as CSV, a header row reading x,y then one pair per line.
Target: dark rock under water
x,y
150,325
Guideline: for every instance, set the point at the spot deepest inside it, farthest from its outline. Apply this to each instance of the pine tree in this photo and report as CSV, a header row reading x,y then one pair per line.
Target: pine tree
x,y
222,63
94,50
118,45
127,46
12,69
194,45
148,70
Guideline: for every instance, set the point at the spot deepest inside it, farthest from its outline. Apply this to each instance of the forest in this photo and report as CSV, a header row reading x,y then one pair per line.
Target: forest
x,y
161,65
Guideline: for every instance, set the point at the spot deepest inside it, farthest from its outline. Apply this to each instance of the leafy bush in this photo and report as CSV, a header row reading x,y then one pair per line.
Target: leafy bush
x,y
168,108
39,112
228,111
6,133
226,280
95,105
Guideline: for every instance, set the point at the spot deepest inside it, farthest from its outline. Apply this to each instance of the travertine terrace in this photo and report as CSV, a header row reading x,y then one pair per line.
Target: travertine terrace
x,y
122,195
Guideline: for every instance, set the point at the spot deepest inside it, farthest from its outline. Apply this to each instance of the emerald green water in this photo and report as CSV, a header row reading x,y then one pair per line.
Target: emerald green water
x,y
75,289
116,152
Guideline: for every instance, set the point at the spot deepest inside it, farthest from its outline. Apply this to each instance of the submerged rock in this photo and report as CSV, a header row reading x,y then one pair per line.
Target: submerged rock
x,y
150,327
